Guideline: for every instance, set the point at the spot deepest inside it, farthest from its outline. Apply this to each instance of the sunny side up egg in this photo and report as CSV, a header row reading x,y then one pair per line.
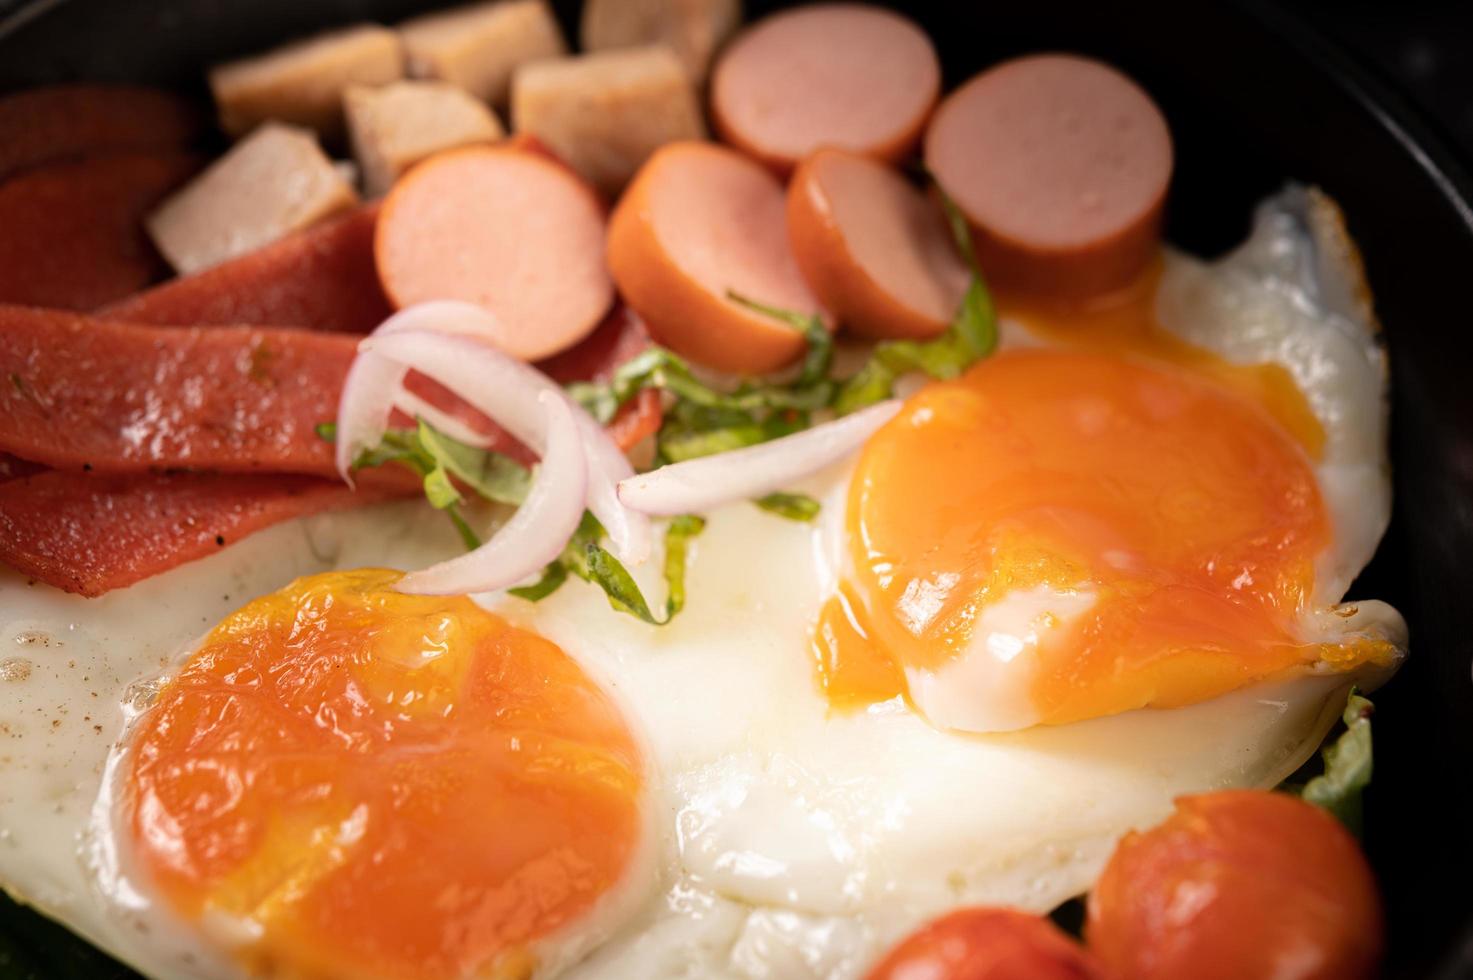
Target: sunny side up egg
x,y
552,788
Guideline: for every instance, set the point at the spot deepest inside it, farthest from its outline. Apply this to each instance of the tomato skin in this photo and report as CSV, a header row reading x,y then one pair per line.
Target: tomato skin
x,y
987,944
1240,883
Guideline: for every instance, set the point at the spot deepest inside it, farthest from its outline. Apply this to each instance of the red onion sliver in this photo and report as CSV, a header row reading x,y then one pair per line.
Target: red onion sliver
x,y
698,485
415,406
538,531
504,389
364,408
374,386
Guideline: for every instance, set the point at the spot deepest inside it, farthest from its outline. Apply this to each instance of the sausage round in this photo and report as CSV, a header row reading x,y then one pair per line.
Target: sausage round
x,y
845,75
510,230
1061,163
699,221
874,249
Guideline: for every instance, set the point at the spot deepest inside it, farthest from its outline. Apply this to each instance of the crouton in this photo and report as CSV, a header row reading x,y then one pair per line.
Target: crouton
x,y
272,183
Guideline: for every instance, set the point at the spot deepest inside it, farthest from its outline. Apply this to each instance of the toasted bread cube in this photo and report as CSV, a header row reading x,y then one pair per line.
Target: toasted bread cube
x,y
272,183
394,127
606,113
693,29
303,82
478,47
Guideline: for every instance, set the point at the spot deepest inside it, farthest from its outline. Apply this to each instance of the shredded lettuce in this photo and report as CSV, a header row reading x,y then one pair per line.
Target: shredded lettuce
x,y
445,464
493,475
793,506
971,336
820,343
690,431
435,457
1347,767
678,537
553,577
587,559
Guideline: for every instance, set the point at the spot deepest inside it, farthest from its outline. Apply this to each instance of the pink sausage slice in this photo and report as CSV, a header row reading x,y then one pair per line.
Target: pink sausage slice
x,y
1061,163
697,221
874,249
505,228
845,75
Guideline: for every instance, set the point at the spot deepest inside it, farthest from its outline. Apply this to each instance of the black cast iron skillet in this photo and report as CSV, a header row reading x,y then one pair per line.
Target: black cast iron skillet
x,y
1254,97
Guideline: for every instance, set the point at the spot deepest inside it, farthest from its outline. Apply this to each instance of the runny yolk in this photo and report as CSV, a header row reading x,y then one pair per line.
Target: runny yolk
x,y
1063,535
353,782
1125,323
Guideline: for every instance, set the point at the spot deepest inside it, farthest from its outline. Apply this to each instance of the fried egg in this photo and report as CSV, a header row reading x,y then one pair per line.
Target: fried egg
x,y
799,768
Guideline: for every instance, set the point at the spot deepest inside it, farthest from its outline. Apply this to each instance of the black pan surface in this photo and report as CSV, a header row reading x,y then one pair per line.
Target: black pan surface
x,y
1254,97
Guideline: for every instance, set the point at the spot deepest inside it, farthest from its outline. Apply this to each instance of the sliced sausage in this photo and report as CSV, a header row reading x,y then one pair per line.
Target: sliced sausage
x,y
303,82
477,47
1061,163
59,123
71,234
274,182
700,220
606,113
393,127
844,75
321,278
693,29
510,230
873,247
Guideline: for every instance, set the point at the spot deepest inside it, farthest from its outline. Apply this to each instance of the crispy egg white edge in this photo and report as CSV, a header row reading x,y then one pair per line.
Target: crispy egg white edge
x,y
704,916
1295,294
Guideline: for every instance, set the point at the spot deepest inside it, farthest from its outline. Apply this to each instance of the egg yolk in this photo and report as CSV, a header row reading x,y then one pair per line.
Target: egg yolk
x,y
345,781
1063,535
1125,324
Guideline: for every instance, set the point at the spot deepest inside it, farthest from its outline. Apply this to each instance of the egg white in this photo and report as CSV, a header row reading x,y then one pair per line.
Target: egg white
x,y
787,841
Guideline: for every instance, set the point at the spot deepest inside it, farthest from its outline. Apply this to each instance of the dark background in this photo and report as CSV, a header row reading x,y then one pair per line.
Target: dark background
x,y
1424,48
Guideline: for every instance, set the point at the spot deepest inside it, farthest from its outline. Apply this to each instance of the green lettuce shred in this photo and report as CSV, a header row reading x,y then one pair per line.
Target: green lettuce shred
x,y
793,506
440,461
1348,764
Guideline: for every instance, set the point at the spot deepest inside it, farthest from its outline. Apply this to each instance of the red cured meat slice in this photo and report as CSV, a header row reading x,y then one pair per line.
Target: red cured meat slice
x,y
85,393
71,234
321,278
80,393
13,467
89,533
63,122
621,336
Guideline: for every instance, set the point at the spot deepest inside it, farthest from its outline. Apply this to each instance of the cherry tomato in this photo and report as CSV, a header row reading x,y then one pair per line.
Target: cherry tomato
x,y
987,944
1238,884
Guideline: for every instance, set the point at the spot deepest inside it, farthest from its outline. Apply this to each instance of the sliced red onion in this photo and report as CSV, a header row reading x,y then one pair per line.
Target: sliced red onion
x,y
416,406
538,531
375,386
504,389
698,485
364,408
